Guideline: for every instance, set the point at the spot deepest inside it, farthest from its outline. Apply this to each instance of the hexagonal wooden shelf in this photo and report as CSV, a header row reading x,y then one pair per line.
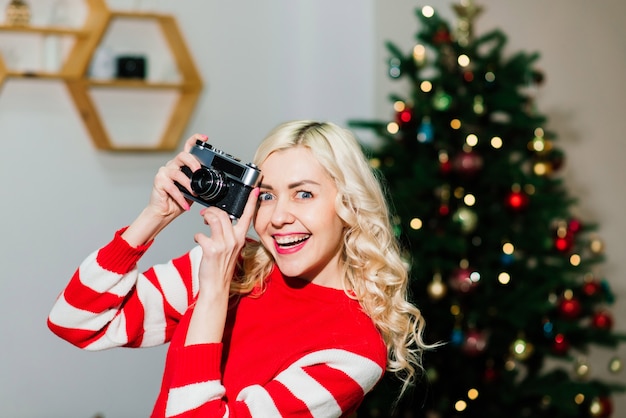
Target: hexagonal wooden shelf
x,y
74,73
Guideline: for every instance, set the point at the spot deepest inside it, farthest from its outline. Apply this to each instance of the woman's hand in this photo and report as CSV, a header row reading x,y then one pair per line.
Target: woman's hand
x,y
166,200
220,252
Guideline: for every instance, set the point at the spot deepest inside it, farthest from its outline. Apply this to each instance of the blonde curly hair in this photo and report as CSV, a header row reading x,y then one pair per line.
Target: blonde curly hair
x,y
374,272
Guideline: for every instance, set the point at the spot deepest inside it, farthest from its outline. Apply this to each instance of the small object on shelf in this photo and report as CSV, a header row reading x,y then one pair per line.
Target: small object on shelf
x,y
131,67
103,64
18,13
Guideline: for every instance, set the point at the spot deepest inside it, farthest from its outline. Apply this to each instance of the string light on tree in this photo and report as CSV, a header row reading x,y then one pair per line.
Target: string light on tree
x,y
521,349
601,407
615,365
581,368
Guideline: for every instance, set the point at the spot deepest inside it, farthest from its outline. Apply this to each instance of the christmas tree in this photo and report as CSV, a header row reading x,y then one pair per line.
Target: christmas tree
x,y
505,275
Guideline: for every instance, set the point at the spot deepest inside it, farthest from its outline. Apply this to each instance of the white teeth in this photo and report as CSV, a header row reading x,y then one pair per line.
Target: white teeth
x,y
291,240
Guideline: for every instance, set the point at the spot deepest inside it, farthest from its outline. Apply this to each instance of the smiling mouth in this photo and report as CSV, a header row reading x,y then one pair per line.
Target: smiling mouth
x,y
291,241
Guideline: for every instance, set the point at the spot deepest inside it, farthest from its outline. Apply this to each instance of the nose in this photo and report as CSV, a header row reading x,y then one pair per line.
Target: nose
x,y
282,213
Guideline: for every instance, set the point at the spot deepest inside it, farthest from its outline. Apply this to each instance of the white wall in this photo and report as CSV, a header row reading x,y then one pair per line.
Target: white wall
x,y
263,63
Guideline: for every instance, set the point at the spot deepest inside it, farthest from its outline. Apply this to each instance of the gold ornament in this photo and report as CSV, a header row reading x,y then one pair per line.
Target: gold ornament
x,y
467,219
437,289
466,11
18,13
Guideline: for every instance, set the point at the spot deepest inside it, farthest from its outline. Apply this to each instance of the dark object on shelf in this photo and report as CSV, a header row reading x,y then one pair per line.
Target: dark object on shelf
x,y
131,67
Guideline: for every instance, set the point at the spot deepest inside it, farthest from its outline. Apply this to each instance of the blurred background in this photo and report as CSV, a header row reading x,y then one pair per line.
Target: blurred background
x,y
261,64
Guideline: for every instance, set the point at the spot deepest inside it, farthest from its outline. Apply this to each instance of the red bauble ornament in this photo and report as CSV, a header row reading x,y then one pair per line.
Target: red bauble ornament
x,y
442,36
490,375
560,344
564,244
517,200
574,226
461,280
570,308
467,163
404,116
602,320
475,342
591,288
445,167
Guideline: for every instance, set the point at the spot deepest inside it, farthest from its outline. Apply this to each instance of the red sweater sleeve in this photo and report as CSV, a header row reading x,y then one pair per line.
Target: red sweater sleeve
x,y
328,383
109,303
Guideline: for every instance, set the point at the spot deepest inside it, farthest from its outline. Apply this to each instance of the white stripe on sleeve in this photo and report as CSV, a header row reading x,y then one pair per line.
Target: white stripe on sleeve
x,y
259,402
318,399
66,315
189,397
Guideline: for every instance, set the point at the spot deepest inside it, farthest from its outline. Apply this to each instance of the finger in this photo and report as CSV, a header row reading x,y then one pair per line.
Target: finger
x,y
248,212
219,222
223,237
189,143
184,159
177,196
167,180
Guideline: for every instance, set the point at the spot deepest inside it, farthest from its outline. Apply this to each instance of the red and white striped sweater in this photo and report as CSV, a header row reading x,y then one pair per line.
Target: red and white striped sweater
x,y
297,350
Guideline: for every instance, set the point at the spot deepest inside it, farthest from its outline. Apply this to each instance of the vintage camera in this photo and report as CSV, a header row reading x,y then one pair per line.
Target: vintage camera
x,y
222,181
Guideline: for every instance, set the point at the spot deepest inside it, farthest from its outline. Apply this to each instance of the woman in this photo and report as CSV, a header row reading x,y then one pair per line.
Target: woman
x,y
303,322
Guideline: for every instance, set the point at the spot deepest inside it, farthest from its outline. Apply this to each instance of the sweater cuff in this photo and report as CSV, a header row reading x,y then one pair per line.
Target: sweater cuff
x,y
197,363
119,256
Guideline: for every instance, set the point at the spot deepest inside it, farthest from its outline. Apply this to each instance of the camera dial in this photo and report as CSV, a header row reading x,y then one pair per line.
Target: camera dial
x,y
209,184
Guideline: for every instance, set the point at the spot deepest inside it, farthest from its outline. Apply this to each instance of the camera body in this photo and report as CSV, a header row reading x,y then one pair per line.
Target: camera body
x,y
222,181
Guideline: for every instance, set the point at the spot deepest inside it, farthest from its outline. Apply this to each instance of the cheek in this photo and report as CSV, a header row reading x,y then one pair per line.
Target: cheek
x,y
260,220
326,218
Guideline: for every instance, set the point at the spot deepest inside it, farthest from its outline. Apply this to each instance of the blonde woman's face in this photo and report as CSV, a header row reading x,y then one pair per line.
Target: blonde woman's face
x,y
296,219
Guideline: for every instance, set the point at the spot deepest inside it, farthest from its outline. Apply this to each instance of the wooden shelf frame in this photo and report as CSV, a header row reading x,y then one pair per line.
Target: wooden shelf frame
x,y
45,30
74,73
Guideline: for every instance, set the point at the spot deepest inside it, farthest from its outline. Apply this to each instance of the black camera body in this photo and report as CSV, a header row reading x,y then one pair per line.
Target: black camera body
x,y
222,181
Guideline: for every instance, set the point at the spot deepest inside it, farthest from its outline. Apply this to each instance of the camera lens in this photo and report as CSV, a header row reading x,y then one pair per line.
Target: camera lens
x,y
209,184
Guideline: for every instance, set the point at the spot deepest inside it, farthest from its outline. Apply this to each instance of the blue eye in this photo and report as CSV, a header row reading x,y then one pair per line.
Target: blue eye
x,y
304,194
265,196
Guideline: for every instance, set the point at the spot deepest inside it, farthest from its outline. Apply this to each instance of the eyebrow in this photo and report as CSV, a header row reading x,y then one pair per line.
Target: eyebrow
x,y
291,185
